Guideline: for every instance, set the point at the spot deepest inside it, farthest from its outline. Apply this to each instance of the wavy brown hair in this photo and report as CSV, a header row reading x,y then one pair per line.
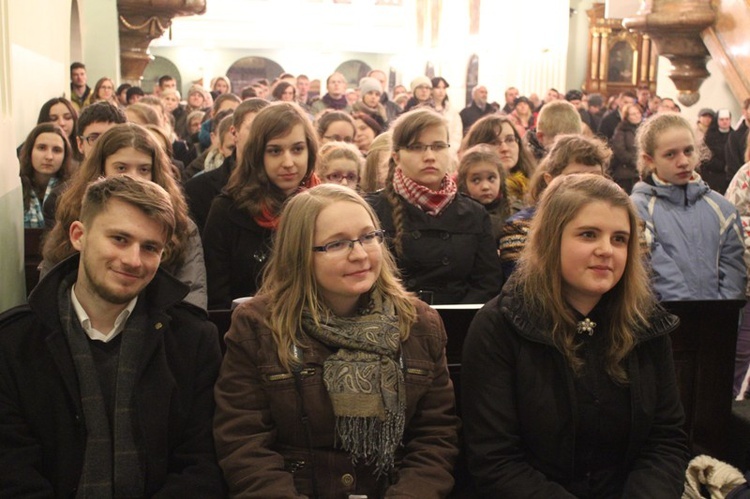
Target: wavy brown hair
x,y
565,150
57,245
629,304
289,280
249,186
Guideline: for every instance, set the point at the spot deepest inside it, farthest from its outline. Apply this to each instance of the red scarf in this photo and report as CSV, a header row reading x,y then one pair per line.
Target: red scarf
x,y
431,202
269,220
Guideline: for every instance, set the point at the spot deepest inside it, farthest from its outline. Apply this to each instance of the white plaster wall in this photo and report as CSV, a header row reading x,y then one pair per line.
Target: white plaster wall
x,y
33,58
714,93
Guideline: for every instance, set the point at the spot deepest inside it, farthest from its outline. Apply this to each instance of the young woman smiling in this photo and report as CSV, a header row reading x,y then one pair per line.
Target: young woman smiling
x,y
568,382
334,383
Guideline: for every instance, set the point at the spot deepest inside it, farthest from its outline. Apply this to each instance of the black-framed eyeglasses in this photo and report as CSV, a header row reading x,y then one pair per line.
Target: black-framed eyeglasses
x,y
435,147
339,138
91,138
351,178
368,241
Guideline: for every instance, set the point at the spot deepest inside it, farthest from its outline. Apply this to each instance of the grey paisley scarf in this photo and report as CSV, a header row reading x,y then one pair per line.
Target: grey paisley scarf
x,y
365,381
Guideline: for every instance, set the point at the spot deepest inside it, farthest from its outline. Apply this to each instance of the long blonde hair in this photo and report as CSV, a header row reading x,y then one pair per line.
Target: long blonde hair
x,y
288,279
630,302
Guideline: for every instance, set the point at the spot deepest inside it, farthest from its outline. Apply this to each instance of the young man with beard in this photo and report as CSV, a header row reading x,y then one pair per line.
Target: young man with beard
x,y
80,92
106,377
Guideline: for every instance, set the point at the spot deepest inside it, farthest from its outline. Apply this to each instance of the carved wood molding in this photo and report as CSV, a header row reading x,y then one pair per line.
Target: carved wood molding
x,y
676,26
139,23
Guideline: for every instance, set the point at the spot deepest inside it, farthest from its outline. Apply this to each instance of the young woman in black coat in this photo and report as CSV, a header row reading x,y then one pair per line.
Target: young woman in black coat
x,y
569,387
277,161
442,239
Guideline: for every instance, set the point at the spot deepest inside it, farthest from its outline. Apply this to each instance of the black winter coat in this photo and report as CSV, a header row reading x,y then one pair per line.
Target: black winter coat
x,y
42,427
451,258
713,171
520,409
623,163
236,249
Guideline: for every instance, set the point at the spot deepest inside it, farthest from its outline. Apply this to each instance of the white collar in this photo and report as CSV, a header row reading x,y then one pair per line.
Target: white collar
x,y
93,333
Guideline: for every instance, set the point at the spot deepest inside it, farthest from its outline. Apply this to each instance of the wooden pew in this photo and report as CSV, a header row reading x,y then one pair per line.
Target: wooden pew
x,y
703,347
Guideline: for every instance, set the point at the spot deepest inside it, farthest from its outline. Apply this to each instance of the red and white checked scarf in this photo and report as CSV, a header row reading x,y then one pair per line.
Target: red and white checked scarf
x,y
431,202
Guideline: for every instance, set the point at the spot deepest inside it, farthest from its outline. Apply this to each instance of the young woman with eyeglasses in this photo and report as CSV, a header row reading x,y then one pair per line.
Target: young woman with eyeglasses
x,y
334,383
335,126
340,163
442,239
500,132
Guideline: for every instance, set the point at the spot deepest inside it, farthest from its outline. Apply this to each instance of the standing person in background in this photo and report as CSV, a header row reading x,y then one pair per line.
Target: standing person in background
x,y
522,115
104,90
369,101
220,85
335,382
737,142
166,82
442,239
335,98
695,234
478,107
444,106
80,92
706,116
421,89
392,110
713,171
568,383
303,88
614,117
623,168
511,94
276,164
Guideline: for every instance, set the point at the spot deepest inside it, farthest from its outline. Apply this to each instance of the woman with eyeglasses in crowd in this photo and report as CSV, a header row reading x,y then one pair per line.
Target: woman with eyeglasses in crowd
x,y
441,238
334,383
499,131
335,126
340,163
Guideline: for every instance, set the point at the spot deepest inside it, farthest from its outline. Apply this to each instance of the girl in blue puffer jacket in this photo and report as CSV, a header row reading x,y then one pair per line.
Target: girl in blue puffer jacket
x,y
694,233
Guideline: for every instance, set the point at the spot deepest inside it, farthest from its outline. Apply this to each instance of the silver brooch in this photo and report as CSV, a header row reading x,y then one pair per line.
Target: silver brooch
x,y
586,326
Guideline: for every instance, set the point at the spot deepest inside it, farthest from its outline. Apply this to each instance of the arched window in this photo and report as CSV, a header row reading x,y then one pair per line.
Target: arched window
x,y
244,72
157,68
353,71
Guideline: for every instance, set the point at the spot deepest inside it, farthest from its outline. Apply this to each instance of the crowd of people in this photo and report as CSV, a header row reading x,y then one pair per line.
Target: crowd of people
x,y
330,223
